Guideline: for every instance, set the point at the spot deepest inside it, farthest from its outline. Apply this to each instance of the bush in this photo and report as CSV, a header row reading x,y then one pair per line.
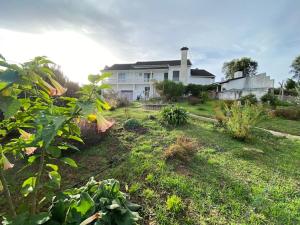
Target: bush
x,y
203,96
197,89
251,99
183,149
174,115
240,119
192,100
114,100
174,204
270,99
170,90
291,113
132,124
75,205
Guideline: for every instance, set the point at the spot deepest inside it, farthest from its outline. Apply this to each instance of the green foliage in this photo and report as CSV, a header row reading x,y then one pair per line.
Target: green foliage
x,y
174,204
290,84
170,90
270,99
97,202
196,89
296,68
244,64
36,124
240,119
203,96
251,99
132,124
174,115
148,193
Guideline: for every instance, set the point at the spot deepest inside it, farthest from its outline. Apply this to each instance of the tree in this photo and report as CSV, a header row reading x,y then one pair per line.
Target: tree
x,y
290,84
170,90
244,64
296,68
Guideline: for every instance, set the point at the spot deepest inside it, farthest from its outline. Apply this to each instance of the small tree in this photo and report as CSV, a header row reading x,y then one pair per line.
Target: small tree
x,y
296,68
245,64
170,90
290,84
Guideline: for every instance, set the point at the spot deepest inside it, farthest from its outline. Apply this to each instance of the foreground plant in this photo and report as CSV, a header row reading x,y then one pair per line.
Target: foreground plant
x,y
37,129
174,115
240,119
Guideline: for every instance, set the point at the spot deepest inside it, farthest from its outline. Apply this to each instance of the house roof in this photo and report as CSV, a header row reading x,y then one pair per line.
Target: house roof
x,y
226,81
201,73
146,65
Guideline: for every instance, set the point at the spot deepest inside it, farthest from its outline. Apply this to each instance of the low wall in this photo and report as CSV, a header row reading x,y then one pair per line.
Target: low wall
x,y
236,94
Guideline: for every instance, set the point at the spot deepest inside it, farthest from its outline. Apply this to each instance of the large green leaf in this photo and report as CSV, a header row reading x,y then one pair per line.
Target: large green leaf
x,y
69,162
49,126
9,105
85,204
28,186
8,77
55,178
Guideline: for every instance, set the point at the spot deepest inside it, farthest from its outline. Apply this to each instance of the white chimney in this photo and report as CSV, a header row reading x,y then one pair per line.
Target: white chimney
x,y
183,65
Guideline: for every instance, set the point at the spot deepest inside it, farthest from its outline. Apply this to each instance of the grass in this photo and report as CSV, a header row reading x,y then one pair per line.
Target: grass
x,y
276,124
226,182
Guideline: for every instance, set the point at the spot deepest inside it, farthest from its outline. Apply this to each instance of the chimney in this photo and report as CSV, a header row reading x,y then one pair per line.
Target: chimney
x,y
183,65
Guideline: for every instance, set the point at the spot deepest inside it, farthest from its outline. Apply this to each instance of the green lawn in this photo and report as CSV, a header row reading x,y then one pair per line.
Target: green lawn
x,y
226,182
276,124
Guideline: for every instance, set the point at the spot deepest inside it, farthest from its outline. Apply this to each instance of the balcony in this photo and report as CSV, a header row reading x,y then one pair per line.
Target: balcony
x,y
129,81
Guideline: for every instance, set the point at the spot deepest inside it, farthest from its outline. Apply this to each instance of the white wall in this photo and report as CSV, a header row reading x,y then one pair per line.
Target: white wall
x,y
200,80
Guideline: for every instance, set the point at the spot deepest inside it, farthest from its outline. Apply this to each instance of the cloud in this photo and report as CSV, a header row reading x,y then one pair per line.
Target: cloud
x,y
215,31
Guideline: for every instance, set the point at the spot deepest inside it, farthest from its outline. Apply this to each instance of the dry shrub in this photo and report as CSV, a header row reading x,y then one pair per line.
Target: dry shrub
x,y
183,149
114,100
291,113
192,100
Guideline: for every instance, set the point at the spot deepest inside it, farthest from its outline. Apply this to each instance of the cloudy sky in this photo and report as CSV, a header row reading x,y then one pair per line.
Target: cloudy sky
x,y
84,35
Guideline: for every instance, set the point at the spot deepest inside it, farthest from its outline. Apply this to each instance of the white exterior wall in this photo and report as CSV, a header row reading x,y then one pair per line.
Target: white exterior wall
x,y
257,85
135,82
201,80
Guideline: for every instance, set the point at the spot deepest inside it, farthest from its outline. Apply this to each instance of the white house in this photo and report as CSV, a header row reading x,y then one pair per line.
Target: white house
x,y
137,79
233,89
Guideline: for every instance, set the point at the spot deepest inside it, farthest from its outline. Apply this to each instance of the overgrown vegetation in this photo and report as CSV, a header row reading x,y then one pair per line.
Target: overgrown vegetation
x,y
270,99
240,119
169,90
174,115
251,99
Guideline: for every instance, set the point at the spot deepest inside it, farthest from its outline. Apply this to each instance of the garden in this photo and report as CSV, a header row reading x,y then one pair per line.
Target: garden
x,y
95,159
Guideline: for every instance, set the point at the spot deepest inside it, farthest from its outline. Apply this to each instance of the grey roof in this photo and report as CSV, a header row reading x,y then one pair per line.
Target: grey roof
x,y
146,65
201,73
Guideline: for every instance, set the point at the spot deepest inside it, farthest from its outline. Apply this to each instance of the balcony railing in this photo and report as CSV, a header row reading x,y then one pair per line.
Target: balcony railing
x,y
128,81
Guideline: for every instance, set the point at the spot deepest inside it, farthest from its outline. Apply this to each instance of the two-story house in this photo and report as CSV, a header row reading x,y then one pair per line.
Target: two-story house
x,y
137,79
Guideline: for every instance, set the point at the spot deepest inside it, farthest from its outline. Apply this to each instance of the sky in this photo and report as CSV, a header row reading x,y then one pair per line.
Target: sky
x,y
83,36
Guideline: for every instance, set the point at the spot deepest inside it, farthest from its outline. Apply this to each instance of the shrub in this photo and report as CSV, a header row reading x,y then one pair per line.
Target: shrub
x,y
270,99
132,124
203,96
192,100
193,89
251,99
291,113
183,149
95,198
170,90
174,204
174,115
148,193
114,100
240,119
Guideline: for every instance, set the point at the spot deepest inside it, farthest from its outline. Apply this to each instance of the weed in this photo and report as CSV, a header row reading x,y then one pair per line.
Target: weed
x,y
174,204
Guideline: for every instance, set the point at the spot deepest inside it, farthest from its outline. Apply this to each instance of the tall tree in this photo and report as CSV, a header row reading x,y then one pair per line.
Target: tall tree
x,y
245,64
296,68
290,84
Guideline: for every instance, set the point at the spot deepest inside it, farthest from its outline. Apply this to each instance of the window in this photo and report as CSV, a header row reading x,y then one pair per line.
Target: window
x,y
175,75
147,77
121,76
166,76
147,92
